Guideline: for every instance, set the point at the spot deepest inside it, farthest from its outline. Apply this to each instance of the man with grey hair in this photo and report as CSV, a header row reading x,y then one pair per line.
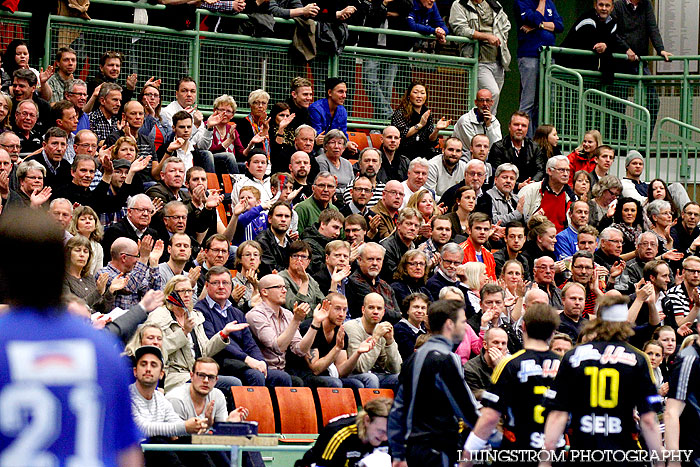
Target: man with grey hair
x,y
543,275
24,87
323,191
552,195
647,245
139,263
105,119
504,203
136,224
446,274
366,280
76,92
610,249
475,177
416,178
7,170
399,242
61,210
394,166
51,157
479,121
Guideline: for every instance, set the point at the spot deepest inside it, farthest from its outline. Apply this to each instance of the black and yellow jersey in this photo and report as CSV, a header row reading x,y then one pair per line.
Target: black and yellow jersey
x,y
600,384
338,445
519,383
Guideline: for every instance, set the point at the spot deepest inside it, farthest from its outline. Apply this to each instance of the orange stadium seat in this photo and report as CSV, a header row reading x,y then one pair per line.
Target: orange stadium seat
x,y
257,401
297,410
367,394
334,402
360,138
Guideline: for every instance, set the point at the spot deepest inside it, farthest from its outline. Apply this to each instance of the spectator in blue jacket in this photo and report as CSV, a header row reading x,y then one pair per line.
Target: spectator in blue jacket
x,y
330,114
538,21
242,356
425,19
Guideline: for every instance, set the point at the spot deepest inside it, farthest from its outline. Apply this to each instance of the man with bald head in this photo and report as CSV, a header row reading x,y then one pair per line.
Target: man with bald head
x,y
478,121
281,151
61,210
134,116
387,209
299,167
532,297
137,261
135,225
381,365
543,273
394,165
276,329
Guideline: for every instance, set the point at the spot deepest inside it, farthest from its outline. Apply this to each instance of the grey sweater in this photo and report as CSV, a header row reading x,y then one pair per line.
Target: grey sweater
x,y
637,26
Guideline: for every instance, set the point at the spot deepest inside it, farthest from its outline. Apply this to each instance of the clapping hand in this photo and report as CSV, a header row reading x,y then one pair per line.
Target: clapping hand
x,y
442,123
301,310
234,326
322,311
39,197
366,345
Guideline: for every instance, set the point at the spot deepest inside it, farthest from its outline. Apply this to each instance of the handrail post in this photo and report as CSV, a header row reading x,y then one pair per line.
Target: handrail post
x,y
196,44
333,61
47,43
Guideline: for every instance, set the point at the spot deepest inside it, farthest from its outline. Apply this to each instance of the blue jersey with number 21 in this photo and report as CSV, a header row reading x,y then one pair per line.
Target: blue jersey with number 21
x,y
64,399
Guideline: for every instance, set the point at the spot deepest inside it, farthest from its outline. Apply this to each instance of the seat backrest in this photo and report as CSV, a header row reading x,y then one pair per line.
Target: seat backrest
x,y
376,139
367,394
228,183
257,400
359,138
213,182
297,410
335,401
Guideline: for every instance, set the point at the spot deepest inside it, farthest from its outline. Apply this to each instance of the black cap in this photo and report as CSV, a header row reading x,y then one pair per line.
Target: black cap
x,y
121,163
146,349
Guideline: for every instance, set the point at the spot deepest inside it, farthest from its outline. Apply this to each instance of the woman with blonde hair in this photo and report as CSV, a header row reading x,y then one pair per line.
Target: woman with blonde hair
x,y
184,336
541,238
125,148
601,207
423,202
87,223
5,112
582,157
475,278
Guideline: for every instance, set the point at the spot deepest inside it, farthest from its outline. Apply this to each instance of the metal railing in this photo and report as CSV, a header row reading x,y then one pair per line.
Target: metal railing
x,y
236,64
678,148
288,454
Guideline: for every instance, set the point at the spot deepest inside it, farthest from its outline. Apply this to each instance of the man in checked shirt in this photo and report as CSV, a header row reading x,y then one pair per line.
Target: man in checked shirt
x,y
139,262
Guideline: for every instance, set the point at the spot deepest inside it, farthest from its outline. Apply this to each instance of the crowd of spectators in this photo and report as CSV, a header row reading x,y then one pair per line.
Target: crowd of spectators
x,y
318,265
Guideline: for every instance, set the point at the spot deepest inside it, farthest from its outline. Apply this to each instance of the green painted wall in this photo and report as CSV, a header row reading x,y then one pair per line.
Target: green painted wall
x,y
510,95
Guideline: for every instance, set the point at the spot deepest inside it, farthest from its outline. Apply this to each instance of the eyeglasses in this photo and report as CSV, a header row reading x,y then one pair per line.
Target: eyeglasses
x,y
476,174
129,254
181,218
325,186
26,114
185,291
362,190
584,268
206,376
415,263
692,271
304,257
614,193
447,262
484,100
148,211
229,112
276,287
394,193
79,94
11,146
219,283
218,251
149,94
562,170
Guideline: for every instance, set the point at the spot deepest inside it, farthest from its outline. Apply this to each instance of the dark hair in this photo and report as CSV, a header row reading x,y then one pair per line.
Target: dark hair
x,y
64,50
205,360
27,75
514,225
111,54
332,82
601,148
441,217
519,113
277,204
406,302
638,221
328,215
8,59
29,237
214,238
215,271
276,109
653,342
541,138
80,158
59,107
55,132
141,99
581,254
490,289
541,320
181,115
299,246
458,195
442,310
650,197
191,170
651,268
184,79
405,105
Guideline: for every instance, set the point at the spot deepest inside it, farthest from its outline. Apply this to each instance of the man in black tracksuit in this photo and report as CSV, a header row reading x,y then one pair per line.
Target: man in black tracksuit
x,y
433,406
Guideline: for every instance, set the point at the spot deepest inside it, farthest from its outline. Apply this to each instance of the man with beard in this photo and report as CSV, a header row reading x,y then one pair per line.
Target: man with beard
x,y
430,433
275,241
684,300
366,280
516,148
360,191
299,167
394,166
399,242
451,256
515,240
368,165
583,272
447,170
